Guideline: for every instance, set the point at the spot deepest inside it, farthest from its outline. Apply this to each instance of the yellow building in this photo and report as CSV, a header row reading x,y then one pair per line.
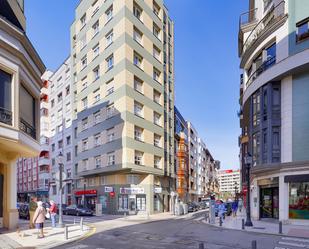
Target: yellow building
x,y
20,84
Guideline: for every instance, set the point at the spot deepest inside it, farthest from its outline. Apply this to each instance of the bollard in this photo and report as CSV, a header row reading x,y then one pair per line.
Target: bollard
x,y
280,227
74,221
253,245
201,246
81,223
66,232
147,215
220,221
243,224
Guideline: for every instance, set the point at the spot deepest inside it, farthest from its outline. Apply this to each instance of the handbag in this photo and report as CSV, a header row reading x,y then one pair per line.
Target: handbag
x,y
47,215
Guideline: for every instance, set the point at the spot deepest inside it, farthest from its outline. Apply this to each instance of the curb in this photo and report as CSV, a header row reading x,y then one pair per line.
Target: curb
x,y
91,231
254,232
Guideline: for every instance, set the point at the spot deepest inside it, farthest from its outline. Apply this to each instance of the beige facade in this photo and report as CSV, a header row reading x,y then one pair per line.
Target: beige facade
x,y
122,55
20,69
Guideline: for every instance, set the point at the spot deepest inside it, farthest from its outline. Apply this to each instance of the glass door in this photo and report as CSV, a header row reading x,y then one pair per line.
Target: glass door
x,y
266,203
132,204
141,203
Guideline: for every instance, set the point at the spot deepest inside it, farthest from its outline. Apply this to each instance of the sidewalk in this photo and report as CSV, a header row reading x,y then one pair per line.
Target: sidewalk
x,y
264,226
53,237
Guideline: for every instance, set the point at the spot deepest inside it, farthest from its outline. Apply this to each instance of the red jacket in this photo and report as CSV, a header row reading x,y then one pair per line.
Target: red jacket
x,y
53,209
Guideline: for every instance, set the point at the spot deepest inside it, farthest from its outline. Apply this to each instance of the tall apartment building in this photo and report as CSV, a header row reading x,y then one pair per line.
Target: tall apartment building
x,y
20,82
229,182
61,132
274,89
123,57
33,173
193,158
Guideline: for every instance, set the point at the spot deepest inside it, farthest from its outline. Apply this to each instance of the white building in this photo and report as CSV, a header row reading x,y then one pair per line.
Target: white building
x,y
229,181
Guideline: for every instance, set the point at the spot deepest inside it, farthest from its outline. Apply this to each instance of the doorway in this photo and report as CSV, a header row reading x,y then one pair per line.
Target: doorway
x,y
269,203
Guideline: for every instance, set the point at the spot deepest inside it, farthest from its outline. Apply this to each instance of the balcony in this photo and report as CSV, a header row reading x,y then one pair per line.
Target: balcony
x,y
5,116
247,18
273,19
27,128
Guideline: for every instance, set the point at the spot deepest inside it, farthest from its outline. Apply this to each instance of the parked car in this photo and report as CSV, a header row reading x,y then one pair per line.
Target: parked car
x,y
23,211
192,207
202,205
64,207
78,210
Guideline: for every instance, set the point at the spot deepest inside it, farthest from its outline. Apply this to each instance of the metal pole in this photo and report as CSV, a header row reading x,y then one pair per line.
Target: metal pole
x,y
280,227
60,192
253,244
243,224
201,246
248,210
81,223
66,232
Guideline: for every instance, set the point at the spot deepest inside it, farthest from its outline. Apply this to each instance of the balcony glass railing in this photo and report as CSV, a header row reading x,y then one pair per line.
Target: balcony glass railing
x,y
27,128
247,17
5,116
266,65
275,13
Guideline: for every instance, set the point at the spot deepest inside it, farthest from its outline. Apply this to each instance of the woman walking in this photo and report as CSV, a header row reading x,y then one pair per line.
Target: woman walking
x,y
39,219
53,213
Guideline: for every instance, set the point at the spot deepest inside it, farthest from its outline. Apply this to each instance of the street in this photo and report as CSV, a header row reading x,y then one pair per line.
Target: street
x,y
178,233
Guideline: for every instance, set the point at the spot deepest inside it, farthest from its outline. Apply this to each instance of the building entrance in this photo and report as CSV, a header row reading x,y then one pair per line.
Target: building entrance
x,y
269,203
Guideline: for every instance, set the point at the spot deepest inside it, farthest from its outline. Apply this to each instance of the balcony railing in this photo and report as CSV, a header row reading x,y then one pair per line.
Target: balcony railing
x,y
247,17
27,128
5,116
266,65
275,13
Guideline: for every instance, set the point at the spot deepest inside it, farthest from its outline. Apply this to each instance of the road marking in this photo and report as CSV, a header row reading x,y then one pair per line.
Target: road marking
x,y
293,244
295,239
280,247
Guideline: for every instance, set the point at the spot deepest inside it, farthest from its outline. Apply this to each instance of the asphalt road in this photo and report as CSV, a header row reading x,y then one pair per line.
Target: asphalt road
x,y
184,233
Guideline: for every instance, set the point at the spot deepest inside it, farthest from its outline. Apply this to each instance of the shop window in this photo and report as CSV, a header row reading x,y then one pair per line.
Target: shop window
x,y
299,200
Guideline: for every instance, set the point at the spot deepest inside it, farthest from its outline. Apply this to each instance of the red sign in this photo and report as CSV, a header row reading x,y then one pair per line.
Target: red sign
x,y
112,194
86,192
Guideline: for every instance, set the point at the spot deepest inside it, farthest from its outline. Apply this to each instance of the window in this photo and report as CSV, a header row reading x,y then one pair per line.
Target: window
x,y
302,31
83,21
156,96
137,60
133,179
97,117
138,85
138,158
96,73
84,62
156,8
138,133
91,182
53,161
256,148
52,103
109,14
84,84
137,11
156,118
156,52
59,113
97,140
59,128
138,109
84,103
96,50
156,31
156,74
95,7
54,187
59,97
138,36
111,158
53,147
109,38
110,62
157,140
60,144
96,28
102,180
110,110
298,200
85,164
256,99
68,156
109,87
85,145
67,90
110,135
68,140
157,162
83,42
97,160
84,123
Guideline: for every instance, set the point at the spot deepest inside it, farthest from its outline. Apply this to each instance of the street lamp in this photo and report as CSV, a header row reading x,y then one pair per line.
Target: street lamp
x,y
235,188
60,160
248,162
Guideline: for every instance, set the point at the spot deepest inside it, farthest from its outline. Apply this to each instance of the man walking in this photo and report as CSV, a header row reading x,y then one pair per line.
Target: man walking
x,y
53,212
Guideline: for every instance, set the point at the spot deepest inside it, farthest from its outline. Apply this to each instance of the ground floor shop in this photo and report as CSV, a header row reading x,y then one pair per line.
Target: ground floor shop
x,y
283,195
25,197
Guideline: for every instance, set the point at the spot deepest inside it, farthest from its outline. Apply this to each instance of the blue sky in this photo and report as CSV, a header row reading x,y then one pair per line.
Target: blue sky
x,y
206,62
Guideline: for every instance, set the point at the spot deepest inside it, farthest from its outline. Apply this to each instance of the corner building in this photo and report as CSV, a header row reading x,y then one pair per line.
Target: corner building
x,y
274,90
123,72
20,82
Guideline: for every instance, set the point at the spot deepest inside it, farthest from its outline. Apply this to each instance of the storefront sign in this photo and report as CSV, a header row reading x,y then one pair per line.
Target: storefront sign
x,y
158,190
108,189
86,192
133,191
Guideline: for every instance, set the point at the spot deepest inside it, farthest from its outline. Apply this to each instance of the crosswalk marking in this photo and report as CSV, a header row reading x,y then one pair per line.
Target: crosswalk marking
x,y
295,239
293,244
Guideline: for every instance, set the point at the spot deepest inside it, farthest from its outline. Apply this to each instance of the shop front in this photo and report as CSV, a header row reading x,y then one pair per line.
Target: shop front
x,y
86,198
132,200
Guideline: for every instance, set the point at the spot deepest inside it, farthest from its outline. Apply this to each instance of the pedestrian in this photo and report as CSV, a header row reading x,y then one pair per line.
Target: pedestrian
x,y
32,208
221,211
240,205
39,219
53,212
234,207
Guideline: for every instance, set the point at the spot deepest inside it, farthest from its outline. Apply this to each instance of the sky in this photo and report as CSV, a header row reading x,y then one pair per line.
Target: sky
x,y
206,62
